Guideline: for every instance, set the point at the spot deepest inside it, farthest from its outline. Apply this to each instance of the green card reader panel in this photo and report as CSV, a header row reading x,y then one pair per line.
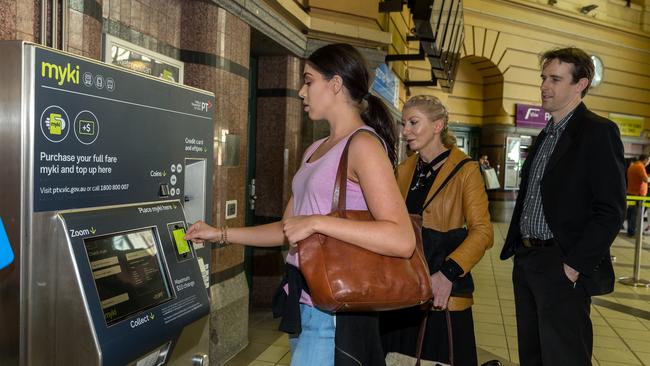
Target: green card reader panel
x,y
182,247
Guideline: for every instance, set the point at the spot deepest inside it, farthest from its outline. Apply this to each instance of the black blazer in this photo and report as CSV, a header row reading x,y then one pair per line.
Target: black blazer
x,y
583,193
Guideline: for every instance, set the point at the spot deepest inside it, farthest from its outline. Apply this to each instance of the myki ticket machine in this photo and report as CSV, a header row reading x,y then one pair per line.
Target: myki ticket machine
x,y
102,170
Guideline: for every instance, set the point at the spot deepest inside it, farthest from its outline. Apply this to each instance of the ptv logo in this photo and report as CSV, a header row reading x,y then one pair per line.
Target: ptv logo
x,y
202,106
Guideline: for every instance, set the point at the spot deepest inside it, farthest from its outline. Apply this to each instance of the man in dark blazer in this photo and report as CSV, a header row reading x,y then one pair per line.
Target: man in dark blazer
x,y
570,206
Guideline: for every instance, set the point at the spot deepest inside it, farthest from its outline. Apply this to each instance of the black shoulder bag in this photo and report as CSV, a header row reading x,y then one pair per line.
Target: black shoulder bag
x,y
437,246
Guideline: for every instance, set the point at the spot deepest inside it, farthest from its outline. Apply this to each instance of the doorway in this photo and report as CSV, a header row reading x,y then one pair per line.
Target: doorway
x,y
274,133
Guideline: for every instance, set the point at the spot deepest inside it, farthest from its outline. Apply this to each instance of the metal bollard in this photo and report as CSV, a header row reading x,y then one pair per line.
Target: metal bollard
x,y
636,279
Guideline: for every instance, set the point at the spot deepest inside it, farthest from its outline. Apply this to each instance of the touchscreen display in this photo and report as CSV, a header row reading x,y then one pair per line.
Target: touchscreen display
x,y
128,273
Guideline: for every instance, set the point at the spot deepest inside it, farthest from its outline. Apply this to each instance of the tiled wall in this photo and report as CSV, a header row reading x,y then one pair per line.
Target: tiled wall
x,y
84,31
215,47
278,153
156,18
19,20
152,24
278,124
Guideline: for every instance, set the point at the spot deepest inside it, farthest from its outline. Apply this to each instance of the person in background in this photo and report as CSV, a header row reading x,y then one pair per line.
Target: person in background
x,y
569,209
484,163
336,84
637,185
462,202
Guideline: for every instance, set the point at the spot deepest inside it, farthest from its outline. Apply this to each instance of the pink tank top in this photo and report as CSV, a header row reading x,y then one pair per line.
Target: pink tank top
x,y
313,186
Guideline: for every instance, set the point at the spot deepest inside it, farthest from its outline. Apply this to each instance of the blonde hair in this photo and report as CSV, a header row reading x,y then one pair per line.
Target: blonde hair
x,y
433,108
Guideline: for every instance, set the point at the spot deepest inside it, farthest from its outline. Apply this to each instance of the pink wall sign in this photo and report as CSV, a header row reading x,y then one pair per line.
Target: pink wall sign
x,y
531,116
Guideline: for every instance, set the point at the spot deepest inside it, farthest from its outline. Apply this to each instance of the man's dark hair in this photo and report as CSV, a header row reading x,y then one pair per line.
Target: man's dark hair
x,y
643,157
583,67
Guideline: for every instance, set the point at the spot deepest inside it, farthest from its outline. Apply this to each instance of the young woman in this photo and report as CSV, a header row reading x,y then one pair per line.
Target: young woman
x,y
462,202
336,84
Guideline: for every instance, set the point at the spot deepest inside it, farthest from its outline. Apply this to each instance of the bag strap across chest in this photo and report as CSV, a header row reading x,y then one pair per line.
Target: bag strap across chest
x,y
444,183
340,183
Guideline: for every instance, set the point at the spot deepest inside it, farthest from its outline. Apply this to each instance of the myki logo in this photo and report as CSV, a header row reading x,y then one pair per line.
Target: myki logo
x,y
67,74
202,106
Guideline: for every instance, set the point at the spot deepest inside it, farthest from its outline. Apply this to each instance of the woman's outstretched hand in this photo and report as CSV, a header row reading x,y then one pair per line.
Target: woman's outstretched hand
x,y
200,232
297,228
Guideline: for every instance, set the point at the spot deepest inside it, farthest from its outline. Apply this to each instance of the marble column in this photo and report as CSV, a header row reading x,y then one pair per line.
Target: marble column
x,y
84,28
278,131
154,25
19,19
215,46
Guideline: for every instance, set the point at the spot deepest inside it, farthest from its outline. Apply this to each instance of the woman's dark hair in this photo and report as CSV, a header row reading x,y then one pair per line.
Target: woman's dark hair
x,y
345,61
583,67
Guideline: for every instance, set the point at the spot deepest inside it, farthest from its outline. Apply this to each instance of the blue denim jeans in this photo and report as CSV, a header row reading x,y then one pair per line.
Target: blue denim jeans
x,y
315,344
631,220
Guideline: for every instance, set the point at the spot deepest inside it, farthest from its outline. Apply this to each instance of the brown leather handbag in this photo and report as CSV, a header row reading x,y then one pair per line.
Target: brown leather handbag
x,y
344,277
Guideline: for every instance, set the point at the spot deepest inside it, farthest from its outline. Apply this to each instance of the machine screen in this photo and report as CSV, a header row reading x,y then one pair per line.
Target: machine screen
x,y
128,272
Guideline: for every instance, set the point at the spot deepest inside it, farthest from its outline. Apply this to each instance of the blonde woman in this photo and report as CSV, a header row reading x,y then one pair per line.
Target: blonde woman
x,y
456,233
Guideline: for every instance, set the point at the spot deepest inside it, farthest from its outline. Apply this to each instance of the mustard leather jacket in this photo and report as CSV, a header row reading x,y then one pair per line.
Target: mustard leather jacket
x,y
463,202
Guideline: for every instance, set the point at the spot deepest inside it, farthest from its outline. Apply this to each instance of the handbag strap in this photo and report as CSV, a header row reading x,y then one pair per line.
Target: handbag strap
x,y
422,331
340,183
444,183
450,336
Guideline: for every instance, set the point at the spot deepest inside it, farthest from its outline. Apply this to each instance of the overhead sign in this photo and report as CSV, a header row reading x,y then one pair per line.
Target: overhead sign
x,y
628,125
386,84
128,55
531,116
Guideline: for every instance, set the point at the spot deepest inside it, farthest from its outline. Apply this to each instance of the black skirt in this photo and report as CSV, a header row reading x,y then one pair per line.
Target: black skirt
x,y
399,333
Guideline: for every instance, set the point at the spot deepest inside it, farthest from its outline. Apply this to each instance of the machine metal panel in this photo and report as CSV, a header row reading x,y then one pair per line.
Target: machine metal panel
x,y
12,136
154,324
58,329
137,135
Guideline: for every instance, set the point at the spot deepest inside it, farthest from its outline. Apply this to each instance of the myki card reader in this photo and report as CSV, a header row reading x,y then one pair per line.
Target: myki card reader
x,y
177,231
